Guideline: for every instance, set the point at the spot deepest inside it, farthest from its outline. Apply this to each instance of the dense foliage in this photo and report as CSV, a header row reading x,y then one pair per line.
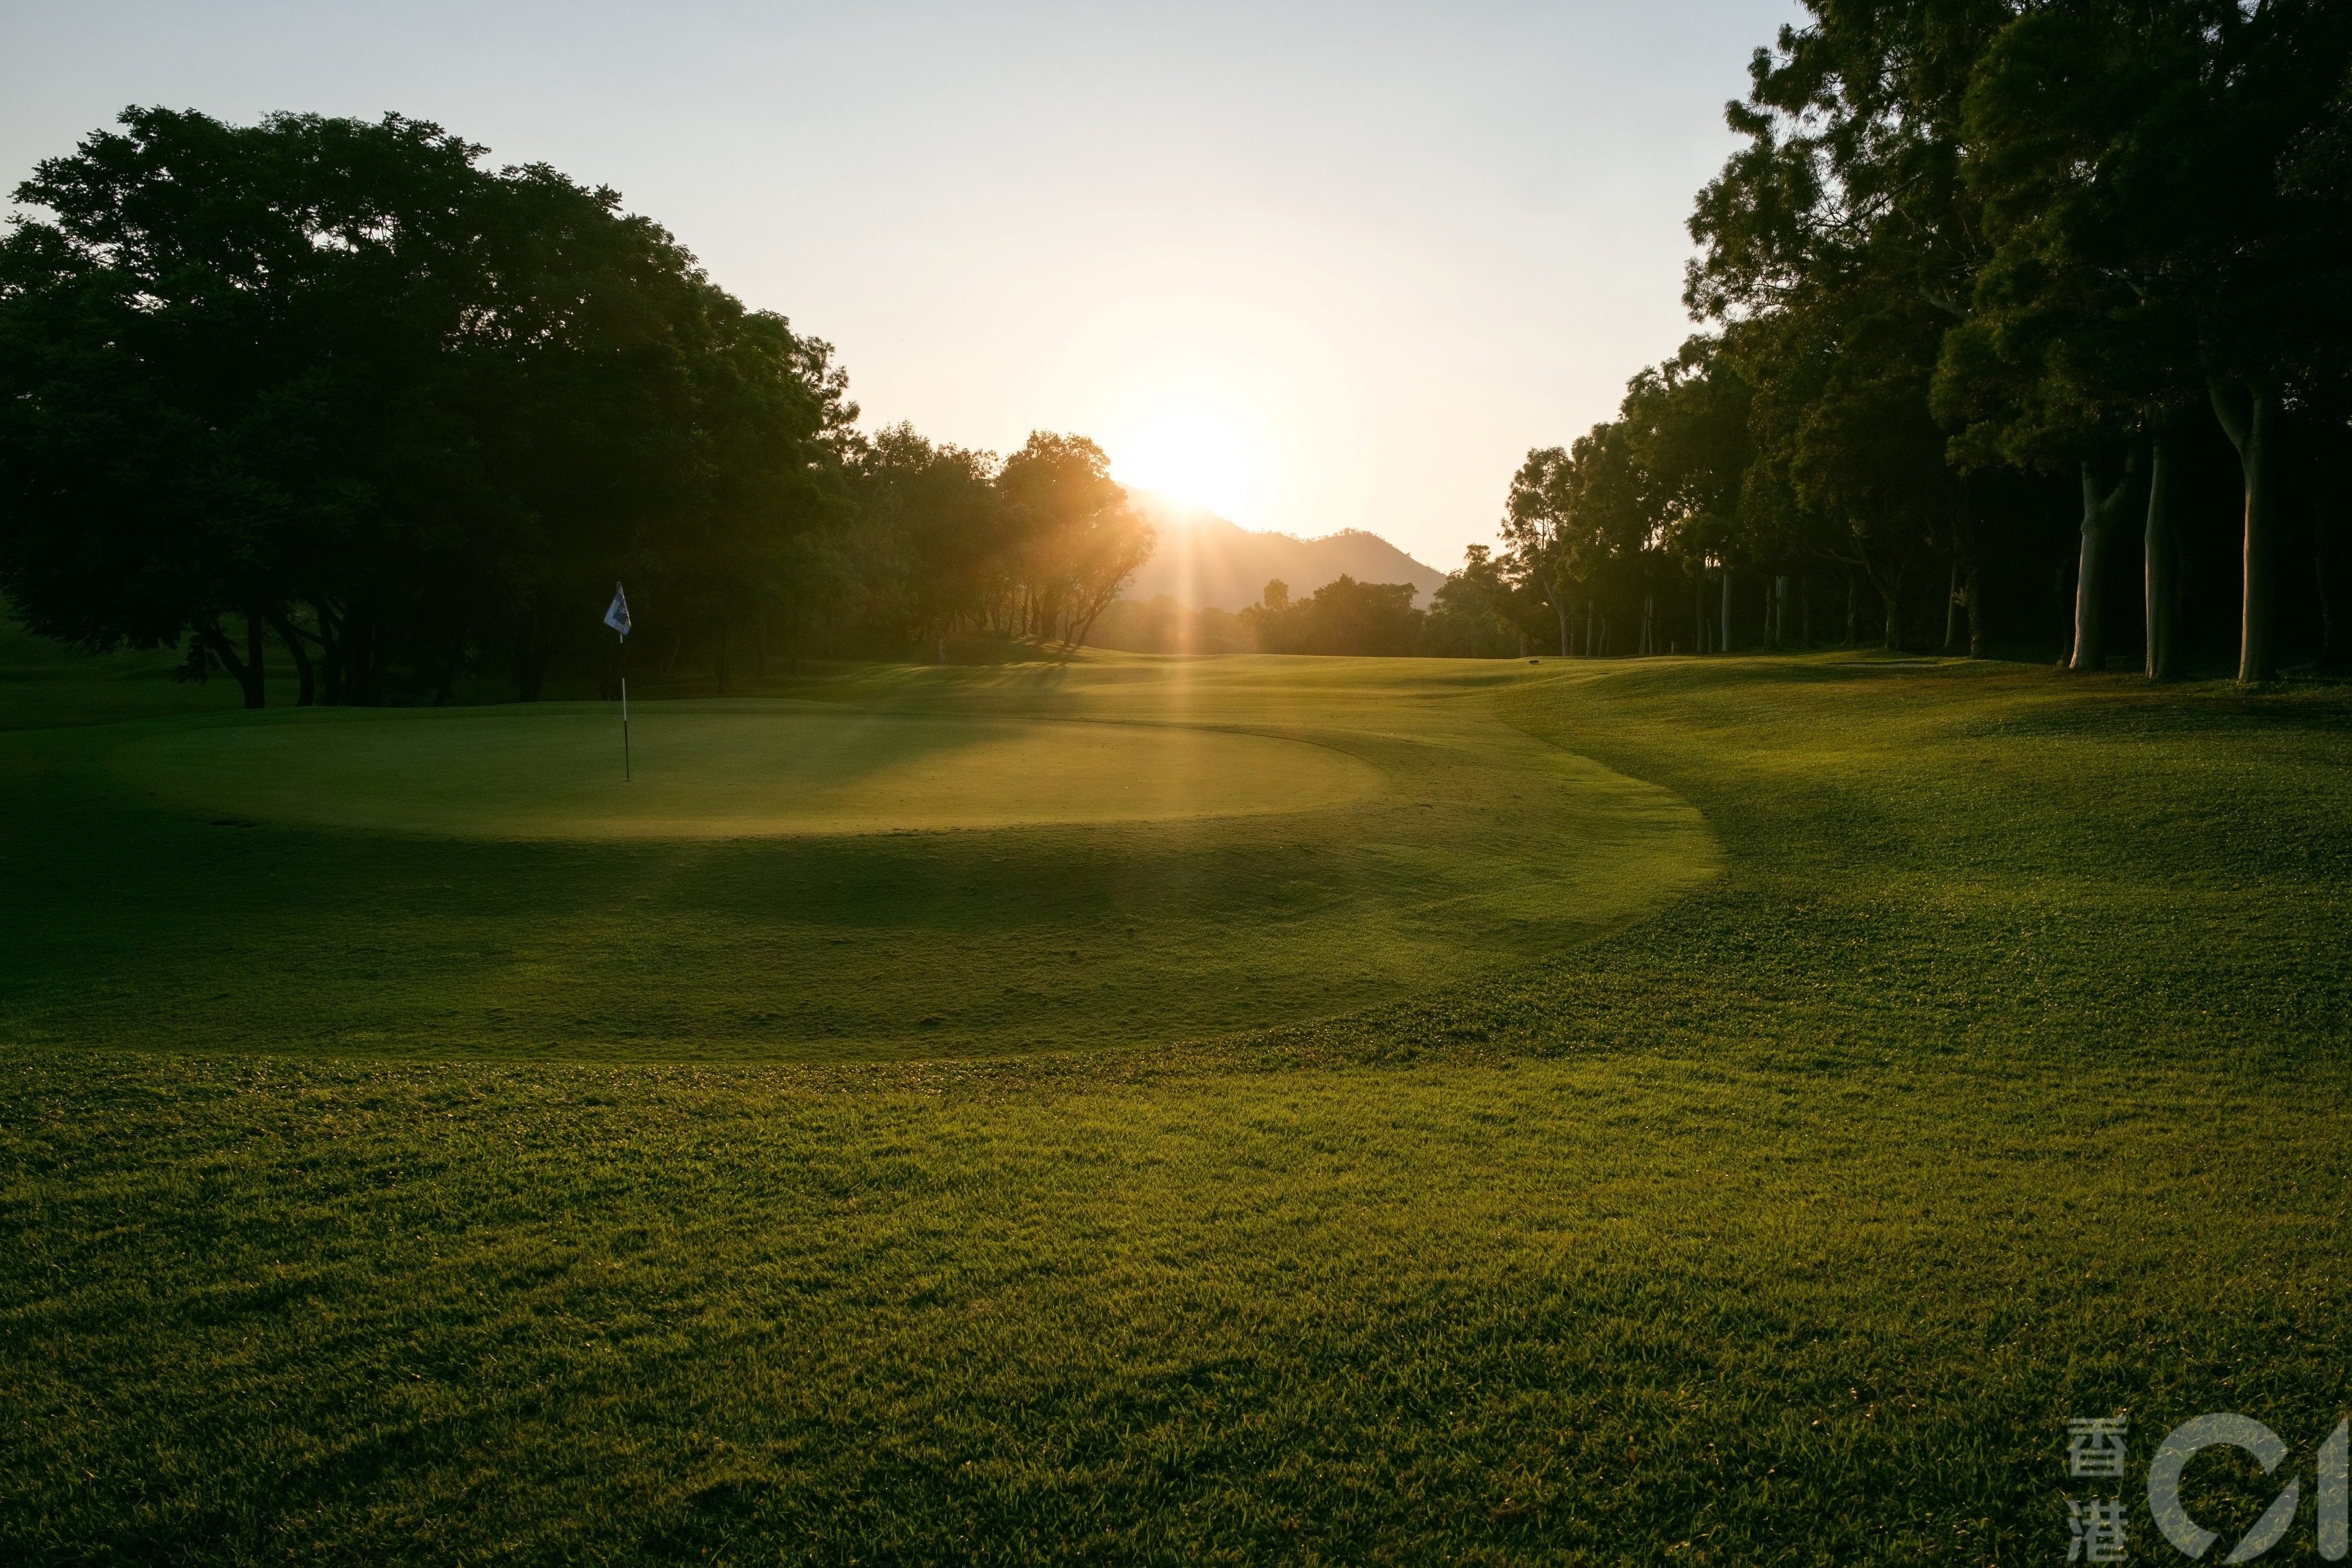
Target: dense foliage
x,y
337,385
1988,279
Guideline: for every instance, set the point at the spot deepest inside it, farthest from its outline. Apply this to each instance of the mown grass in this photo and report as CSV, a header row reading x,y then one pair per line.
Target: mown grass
x,y
233,916
1998,1079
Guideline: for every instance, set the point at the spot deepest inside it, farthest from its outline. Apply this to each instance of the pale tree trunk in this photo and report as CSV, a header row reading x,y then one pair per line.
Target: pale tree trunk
x,y
2159,575
2101,512
1853,610
1698,613
1952,606
2249,413
1781,612
1559,608
1727,607
1975,590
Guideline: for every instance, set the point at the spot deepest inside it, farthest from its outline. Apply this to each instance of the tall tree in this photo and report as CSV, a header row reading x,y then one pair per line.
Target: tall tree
x,y
1078,540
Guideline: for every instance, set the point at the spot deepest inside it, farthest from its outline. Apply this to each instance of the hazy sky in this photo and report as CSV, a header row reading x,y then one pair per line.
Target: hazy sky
x,y
1318,266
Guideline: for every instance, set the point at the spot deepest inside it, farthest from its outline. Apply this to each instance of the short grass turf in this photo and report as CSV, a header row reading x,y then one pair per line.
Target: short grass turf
x,y
716,770
894,863
1782,1216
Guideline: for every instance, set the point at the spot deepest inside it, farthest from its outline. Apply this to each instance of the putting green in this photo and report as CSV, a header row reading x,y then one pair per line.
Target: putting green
x,y
1102,851
730,772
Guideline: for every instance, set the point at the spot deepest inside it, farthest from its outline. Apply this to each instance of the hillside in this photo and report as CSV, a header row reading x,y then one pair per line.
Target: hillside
x,y
1205,561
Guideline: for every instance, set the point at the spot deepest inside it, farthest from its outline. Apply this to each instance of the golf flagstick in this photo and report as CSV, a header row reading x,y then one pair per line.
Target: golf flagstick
x,y
618,617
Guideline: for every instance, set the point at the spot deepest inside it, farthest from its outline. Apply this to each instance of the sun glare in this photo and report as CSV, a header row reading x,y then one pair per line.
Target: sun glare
x,y
1189,456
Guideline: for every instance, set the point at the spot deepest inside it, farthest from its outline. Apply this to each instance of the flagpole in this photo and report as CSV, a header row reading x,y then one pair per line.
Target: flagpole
x,y
618,617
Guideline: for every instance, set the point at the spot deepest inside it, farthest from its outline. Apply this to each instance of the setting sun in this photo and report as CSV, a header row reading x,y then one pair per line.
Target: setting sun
x,y
1193,457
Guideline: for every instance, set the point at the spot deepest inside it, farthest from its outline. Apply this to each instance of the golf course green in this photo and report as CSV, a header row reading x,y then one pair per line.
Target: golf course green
x,y
1157,1110
727,771
901,863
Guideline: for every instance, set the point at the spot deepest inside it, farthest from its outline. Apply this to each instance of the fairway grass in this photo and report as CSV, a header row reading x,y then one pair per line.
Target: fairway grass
x,y
1925,1056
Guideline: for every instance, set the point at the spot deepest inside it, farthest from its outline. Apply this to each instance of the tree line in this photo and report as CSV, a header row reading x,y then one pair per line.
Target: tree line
x,y
2026,323
336,394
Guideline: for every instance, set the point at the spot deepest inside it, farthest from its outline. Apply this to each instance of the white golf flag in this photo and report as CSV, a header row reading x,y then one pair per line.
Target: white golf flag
x,y
618,617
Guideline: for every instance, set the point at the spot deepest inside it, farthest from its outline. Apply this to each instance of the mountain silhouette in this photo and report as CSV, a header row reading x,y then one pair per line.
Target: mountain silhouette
x,y
1207,563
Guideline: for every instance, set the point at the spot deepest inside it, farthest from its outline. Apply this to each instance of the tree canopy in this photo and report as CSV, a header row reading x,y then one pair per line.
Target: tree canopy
x,y
1985,278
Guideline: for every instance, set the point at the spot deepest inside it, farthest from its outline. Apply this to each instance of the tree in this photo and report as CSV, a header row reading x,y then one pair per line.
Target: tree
x,y
1078,540
1836,248
1469,615
2164,243
942,506
1343,617
335,379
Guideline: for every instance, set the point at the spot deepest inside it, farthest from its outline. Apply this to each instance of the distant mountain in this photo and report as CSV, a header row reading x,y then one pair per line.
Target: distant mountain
x,y
1207,563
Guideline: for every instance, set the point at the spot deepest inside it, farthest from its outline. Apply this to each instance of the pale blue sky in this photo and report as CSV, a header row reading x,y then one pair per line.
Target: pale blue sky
x,y
1324,265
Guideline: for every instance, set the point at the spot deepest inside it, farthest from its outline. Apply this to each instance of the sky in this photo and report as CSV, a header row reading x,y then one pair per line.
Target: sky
x,y
1313,267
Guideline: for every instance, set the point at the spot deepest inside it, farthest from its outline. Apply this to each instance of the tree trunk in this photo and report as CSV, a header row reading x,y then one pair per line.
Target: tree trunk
x,y
1559,608
2250,420
1698,634
306,689
1853,610
1780,613
247,671
1805,609
2161,601
1975,590
2100,515
331,655
1952,606
1727,607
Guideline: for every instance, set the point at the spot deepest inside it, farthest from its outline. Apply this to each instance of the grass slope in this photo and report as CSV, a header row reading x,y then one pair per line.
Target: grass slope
x,y
1998,1079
